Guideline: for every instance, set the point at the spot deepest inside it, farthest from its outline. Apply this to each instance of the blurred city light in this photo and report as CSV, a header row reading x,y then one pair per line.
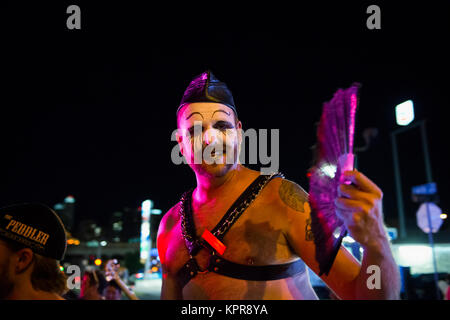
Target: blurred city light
x,y
414,255
443,216
69,199
58,206
73,241
147,205
404,113
98,262
392,233
145,230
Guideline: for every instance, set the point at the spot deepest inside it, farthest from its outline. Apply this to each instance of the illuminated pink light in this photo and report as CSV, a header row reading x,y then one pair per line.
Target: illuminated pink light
x,y
353,102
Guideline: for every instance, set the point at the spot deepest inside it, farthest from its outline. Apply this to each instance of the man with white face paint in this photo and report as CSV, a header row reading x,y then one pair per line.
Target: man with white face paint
x,y
243,235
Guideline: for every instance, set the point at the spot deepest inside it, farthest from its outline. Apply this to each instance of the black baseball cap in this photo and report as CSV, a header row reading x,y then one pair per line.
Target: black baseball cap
x,y
36,226
207,88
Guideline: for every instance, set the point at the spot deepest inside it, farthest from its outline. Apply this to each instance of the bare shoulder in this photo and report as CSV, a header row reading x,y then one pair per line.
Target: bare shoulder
x,y
169,220
288,193
168,223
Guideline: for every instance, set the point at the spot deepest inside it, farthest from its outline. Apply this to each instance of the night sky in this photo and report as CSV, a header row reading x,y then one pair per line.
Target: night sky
x,y
90,112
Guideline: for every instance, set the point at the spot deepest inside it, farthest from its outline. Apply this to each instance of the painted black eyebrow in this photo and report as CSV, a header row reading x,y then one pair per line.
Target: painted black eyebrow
x,y
220,110
193,114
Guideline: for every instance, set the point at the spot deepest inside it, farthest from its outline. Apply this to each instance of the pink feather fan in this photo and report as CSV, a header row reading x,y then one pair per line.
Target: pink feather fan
x,y
334,156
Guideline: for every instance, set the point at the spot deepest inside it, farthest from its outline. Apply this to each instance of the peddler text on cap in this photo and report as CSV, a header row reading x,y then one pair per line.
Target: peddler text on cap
x,y
26,231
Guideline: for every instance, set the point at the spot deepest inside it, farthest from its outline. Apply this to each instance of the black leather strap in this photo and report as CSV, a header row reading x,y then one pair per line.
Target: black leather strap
x,y
230,269
187,272
255,273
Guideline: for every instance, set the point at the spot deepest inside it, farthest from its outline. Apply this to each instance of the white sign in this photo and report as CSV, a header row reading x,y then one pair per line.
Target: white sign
x,y
435,217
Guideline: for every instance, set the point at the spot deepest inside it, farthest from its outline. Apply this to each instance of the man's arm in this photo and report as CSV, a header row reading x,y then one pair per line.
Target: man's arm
x,y
347,278
170,289
297,214
128,292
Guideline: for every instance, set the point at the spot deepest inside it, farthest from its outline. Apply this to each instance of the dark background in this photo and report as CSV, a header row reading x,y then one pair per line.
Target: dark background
x,y
90,112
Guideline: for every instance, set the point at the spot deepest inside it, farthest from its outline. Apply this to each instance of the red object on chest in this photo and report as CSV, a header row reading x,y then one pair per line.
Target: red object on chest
x,y
214,242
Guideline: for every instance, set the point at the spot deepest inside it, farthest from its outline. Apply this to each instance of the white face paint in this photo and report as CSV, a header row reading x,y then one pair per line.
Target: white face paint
x,y
209,138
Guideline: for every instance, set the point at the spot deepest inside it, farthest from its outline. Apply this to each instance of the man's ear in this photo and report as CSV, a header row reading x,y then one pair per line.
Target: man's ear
x,y
24,258
239,130
239,136
179,138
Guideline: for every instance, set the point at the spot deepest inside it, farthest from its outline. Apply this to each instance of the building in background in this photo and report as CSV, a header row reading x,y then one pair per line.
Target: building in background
x,y
119,238
123,226
66,211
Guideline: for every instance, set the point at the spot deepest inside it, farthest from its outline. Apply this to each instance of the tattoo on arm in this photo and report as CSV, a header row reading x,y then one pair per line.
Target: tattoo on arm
x,y
293,195
296,198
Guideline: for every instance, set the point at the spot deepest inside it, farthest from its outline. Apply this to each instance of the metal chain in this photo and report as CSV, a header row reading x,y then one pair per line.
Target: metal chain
x,y
186,235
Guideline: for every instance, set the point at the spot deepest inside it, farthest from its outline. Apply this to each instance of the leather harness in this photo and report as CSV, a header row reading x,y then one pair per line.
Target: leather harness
x,y
216,262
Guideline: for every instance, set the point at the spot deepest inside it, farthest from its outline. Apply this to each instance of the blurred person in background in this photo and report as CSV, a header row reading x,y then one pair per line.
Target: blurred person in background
x,y
115,283
93,285
112,291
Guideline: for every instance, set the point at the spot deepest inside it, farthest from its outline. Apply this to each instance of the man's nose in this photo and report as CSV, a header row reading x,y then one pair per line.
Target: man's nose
x,y
210,136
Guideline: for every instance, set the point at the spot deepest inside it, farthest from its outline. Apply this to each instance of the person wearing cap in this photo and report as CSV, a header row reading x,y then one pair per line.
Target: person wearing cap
x,y
32,242
240,234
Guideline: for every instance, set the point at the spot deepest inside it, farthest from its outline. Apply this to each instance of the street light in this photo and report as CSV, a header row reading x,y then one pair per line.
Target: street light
x,y
404,116
394,134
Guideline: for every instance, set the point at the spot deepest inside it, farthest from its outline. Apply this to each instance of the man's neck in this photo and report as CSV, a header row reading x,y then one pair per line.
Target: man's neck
x,y
28,293
209,188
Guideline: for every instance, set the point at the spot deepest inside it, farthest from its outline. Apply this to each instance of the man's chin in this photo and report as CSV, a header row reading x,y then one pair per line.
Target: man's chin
x,y
213,170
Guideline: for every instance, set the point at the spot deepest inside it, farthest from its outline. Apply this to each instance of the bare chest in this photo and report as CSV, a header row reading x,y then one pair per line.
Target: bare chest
x,y
256,237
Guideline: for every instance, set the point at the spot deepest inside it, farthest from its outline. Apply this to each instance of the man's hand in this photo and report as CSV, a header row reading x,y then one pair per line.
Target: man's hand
x,y
360,208
112,269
